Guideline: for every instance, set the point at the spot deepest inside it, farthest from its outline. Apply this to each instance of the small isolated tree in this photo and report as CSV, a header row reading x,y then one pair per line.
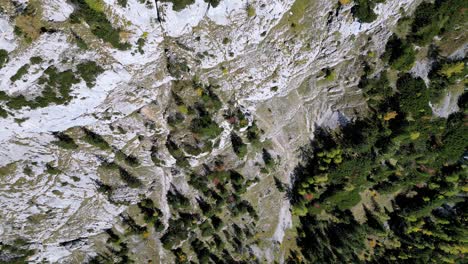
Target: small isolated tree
x,y
238,145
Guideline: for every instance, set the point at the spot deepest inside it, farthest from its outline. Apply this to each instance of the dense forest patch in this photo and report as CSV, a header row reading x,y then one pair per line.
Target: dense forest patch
x,y
401,151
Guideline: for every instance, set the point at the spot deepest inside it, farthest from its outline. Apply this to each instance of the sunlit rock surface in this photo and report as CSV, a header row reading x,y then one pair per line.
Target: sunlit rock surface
x,y
267,57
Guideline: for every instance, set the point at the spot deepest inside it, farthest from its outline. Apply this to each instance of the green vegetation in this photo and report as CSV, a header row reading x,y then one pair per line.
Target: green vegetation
x,y
194,113
178,5
251,11
363,10
122,3
218,190
35,60
18,102
129,179
54,82
115,243
431,19
20,73
96,5
388,187
213,3
95,139
28,23
92,12
205,127
330,74
177,67
125,175
64,141
399,54
140,44
130,160
177,153
405,153
3,112
238,145
8,169
294,18
3,57
446,74
57,85
80,42
89,71
15,252
52,170
151,214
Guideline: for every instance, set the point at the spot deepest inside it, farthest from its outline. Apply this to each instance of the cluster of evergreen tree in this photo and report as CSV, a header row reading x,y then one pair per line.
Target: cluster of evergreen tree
x,y
400,151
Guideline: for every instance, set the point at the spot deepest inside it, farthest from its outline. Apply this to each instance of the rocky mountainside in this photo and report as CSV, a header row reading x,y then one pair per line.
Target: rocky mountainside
x,y
134,130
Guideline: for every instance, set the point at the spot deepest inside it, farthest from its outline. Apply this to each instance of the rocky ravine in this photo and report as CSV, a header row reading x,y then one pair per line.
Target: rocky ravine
x,y
262,64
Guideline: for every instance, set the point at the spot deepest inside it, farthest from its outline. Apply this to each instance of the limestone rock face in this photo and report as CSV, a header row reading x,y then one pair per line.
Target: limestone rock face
x,y
286,65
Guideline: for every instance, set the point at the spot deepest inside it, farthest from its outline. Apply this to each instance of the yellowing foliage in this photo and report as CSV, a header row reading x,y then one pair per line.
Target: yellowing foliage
x,y
29,25
183,109
372,243
345,2
451,69
251,11
96,5
415,135
390,115
454,249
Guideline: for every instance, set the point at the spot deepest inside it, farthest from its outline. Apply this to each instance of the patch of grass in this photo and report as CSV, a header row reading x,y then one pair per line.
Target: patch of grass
x,y
7,169
96,5
80,42
330,74
251,12
295,15
28,26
